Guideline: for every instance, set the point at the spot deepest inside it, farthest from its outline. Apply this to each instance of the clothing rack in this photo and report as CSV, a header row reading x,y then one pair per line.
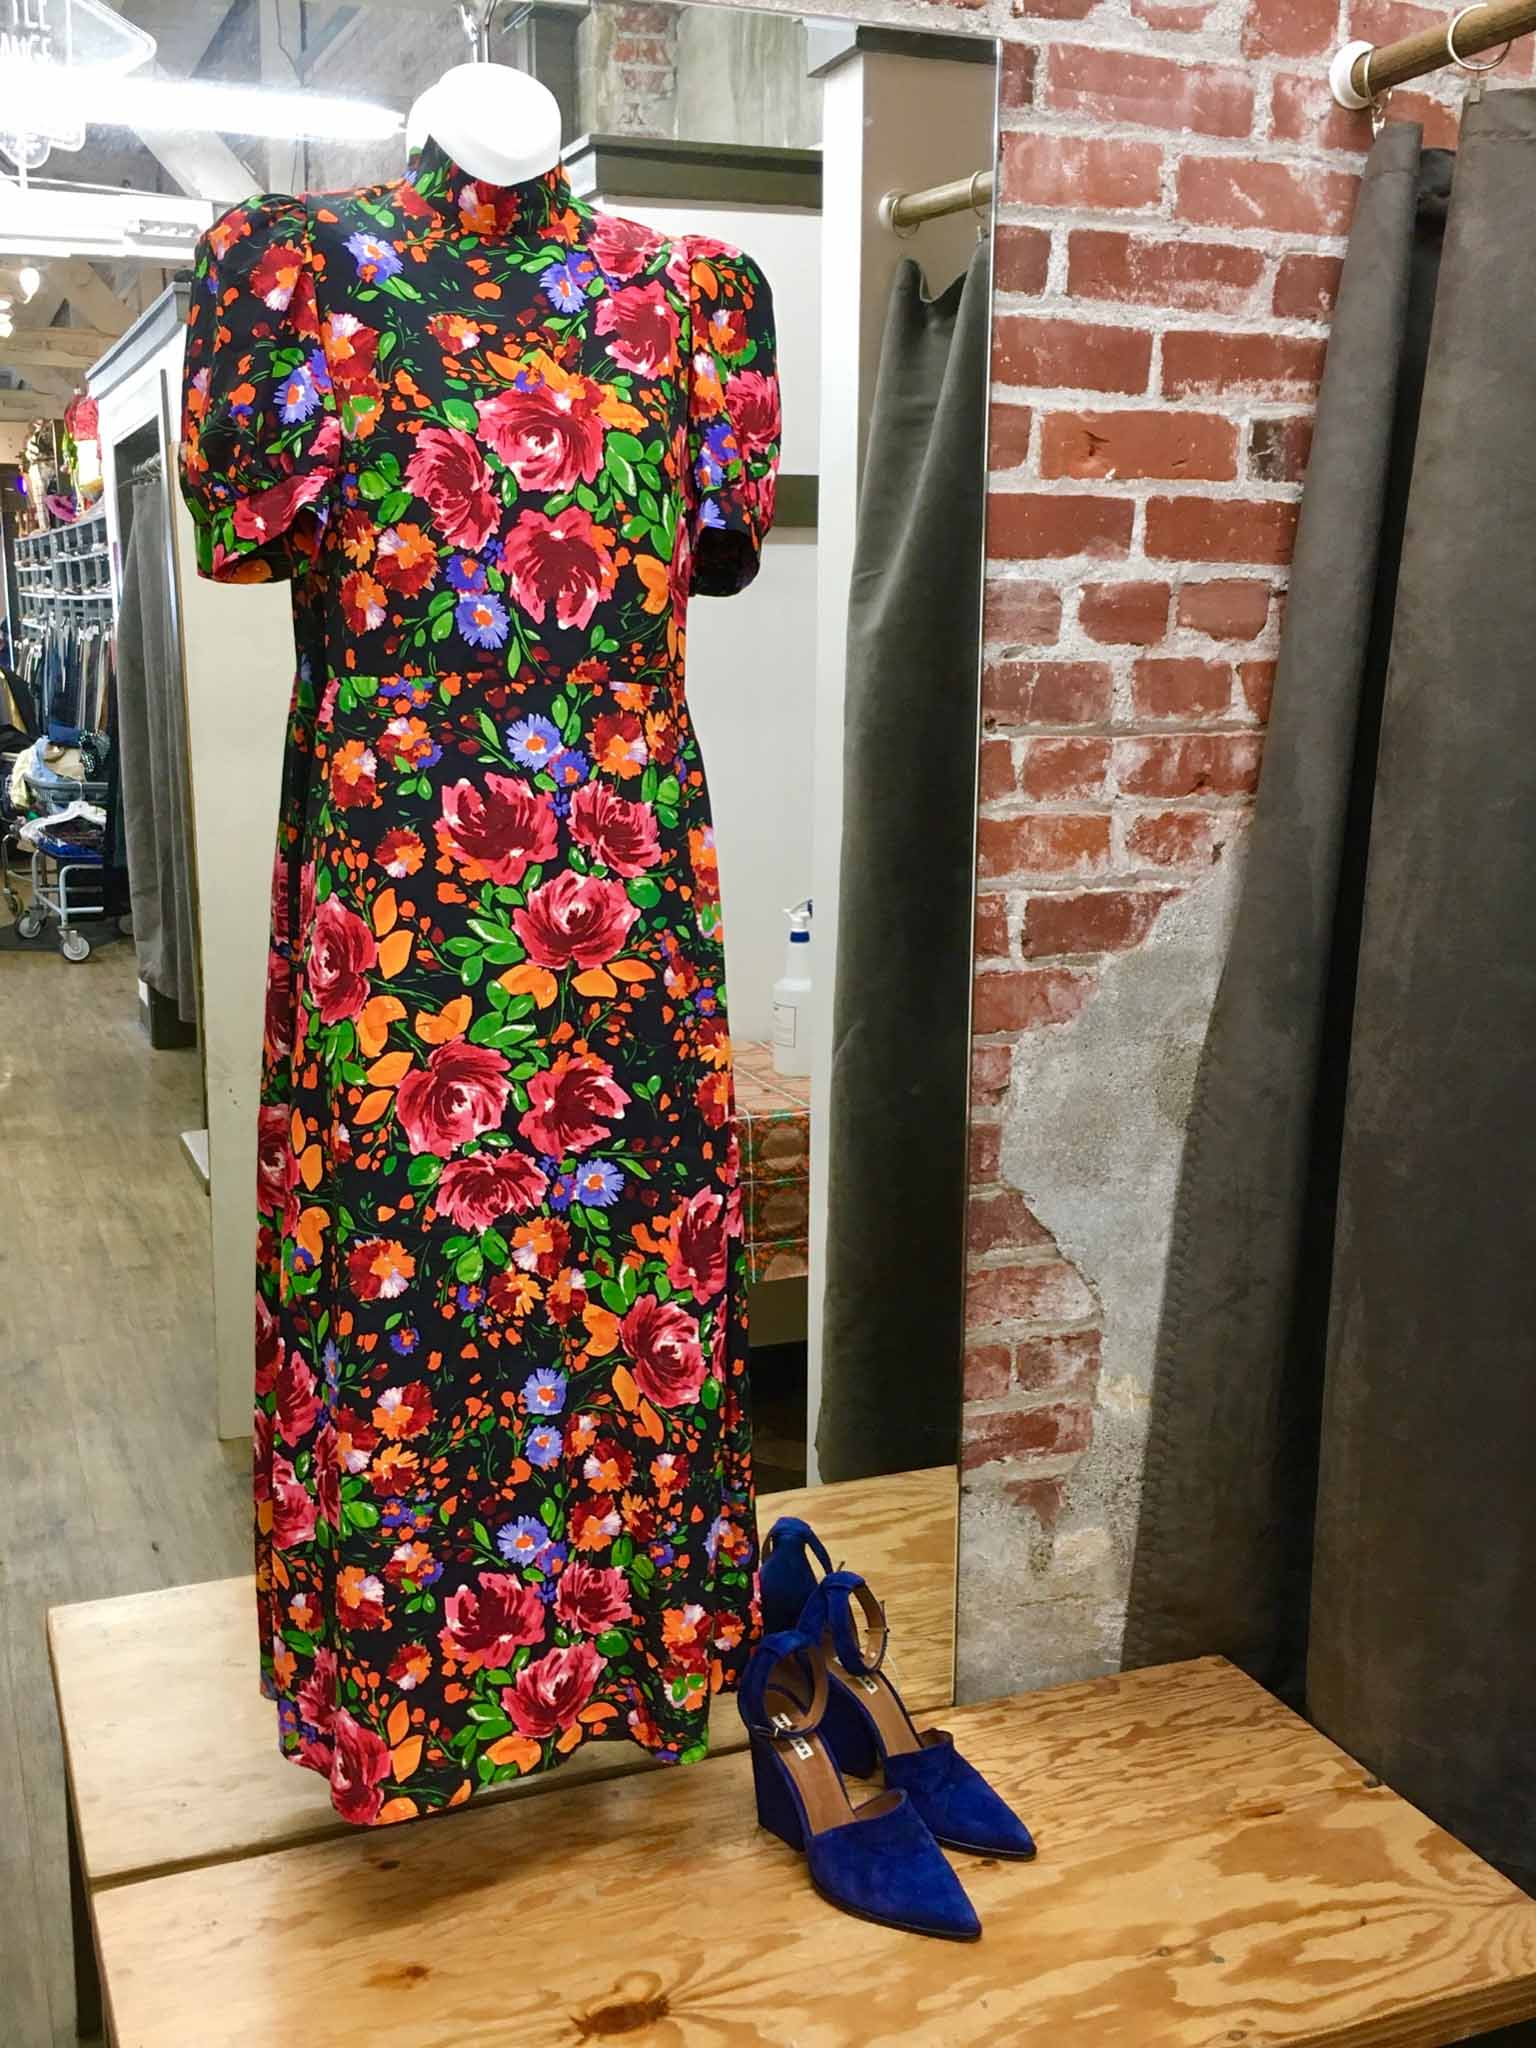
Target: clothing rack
x,y
908,210
1361,72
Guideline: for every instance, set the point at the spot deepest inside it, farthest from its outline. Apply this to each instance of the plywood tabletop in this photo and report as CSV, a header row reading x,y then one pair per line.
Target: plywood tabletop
x,y
172,1752
1211,1871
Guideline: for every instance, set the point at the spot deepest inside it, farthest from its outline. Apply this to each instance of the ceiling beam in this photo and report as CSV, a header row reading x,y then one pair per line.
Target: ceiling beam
x,y
56,347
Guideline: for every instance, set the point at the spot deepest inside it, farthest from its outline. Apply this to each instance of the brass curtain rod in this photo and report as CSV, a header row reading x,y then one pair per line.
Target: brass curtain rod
x,y
933,202
1361,72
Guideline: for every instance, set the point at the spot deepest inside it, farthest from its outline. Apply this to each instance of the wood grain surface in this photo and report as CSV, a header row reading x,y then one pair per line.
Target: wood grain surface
x,y
172,1751
1211,1871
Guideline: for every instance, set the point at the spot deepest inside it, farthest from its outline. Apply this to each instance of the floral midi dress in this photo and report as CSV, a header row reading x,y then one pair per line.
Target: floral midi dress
x,y
496,439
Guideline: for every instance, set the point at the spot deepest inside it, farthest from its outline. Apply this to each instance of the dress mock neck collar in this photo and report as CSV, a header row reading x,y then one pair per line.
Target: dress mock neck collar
x,y
478,205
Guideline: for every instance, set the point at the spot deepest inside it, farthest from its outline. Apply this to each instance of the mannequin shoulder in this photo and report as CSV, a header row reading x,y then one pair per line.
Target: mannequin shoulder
x,y
246,231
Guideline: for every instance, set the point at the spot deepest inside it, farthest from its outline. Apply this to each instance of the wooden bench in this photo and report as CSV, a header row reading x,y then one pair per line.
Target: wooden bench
x,y
170,1751
1211,1871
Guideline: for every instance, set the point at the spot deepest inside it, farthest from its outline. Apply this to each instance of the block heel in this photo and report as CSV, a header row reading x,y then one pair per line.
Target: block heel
x,y
851,1734
777,1809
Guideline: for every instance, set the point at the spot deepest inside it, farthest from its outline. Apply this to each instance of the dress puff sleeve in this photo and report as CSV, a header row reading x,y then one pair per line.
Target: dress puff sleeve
x,y
260,438
733,415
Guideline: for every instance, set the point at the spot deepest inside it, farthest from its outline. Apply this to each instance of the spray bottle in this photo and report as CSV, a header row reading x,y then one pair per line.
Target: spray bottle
x,y
792,997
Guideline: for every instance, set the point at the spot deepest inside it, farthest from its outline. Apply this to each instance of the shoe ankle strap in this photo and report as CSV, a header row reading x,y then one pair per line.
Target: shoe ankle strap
x,y
829,1611
783,1690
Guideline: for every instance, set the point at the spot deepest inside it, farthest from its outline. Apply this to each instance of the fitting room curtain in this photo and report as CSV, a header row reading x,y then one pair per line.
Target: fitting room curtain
x,y
157,811
895,1262
1338,1490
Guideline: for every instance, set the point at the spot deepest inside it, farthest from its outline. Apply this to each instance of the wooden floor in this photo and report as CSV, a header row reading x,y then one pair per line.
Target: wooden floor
x,y
111,1479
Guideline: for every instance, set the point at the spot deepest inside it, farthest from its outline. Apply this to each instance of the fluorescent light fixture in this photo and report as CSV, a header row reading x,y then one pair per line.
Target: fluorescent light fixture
x,y
35,99
48,220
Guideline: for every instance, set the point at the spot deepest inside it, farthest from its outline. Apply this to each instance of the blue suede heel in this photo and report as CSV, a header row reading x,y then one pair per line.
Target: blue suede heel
x,y
866,1725
877,1861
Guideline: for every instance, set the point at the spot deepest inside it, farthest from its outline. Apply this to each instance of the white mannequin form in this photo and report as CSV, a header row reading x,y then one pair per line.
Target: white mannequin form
x,y
498,124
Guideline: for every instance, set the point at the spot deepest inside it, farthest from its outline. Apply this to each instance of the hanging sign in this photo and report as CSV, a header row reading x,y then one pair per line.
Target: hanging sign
x,y
51,52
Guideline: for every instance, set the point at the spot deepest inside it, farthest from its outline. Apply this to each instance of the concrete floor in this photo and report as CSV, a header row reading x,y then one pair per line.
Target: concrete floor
x,y
111,1478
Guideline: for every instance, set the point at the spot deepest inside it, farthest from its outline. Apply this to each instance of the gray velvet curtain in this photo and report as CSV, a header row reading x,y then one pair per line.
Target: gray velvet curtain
x,y
1339,1488
157,810
900,1052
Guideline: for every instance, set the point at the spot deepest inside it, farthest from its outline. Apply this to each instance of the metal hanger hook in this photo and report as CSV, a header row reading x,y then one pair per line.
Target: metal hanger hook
x,y
1475,71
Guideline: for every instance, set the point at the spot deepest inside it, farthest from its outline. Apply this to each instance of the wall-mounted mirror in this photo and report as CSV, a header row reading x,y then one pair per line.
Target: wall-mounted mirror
x,y
591,1121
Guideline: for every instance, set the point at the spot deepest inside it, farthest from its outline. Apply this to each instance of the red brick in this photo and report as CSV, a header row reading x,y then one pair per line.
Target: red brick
x,y
1197,447
1020,613
1022,257
1177,687
1176,20
1016,75
991,929
1198,363
991,1074
1243,192
1040,169
988,1371
1278,449
1290,28
1200,277
654,51
1044,1498
1258,683
1053,1431
1045,525
1307,287
1064,770
1441,123
1045,693
1048,1291
996,775
1067,1364
1128,86
1002,1222
1023,999
1303,109
1042,843
986,1139
1052,10
1069,355
1176,839
1187,764
1227,608
1008,430
1124,614
1220,529
1089,921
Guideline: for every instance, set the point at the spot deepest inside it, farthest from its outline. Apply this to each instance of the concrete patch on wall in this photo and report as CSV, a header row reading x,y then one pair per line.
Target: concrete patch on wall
x,y
1092,1138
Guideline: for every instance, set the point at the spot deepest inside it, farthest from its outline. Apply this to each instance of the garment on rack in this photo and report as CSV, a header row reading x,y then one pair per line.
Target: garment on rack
x,y
503,1464
152,746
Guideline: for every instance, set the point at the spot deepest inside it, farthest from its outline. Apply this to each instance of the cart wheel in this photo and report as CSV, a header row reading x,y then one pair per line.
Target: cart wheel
x,y
75,946
29,924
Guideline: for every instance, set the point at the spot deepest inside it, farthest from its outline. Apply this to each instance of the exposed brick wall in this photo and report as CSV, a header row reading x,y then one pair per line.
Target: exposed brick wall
x,y
1176,185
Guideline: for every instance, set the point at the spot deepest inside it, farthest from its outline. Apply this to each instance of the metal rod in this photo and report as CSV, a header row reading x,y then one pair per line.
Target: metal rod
x,y
1371,72
960,195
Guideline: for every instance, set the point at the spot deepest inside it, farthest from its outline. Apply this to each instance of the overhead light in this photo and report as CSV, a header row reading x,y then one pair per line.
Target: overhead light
x,y
30,279
32,100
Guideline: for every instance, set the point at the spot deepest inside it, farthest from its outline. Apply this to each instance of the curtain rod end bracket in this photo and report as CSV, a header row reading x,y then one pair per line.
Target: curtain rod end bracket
x,y
1341,76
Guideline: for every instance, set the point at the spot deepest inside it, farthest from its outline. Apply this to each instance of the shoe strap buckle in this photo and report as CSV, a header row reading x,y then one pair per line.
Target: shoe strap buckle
x,y
784,1727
